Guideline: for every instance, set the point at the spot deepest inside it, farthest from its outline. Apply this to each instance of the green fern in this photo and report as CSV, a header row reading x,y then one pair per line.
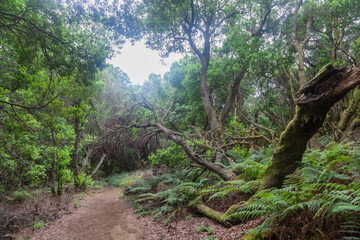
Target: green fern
x,y
323,185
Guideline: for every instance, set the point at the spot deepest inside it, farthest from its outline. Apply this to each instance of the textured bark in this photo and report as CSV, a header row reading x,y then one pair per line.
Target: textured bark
x,y
350,111
355,123
231,98
300,45
53,164
76,152
98,165
222,218
212,214
319,95
85,162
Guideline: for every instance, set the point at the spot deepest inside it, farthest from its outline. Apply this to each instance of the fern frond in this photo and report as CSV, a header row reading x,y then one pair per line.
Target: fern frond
x,y
345,208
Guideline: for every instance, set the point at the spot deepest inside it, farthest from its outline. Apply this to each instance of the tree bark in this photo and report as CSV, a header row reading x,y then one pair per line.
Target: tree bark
x,y
350,111
222,218
300,45
98,165
76,151
85,162
319,95
53,164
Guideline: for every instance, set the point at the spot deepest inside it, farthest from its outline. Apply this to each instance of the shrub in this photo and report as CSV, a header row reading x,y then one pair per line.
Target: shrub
x,y
21,195
38,224
84,180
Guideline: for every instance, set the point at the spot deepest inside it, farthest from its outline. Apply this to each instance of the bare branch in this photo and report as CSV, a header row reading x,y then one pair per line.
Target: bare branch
x,y
293,33
168,110
234,90
32,107
272,132
98,165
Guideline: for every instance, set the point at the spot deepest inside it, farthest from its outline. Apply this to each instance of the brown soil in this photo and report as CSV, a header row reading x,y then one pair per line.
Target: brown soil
x,y
104,216
100,217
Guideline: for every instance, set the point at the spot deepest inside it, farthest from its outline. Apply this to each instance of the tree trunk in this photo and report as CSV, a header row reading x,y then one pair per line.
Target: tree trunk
x,y
350,111
53,164
319,95
355,123
85,163
98,165
222,218
76,151
300,45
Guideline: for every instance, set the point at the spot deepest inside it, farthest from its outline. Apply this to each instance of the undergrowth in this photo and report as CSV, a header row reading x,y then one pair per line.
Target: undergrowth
x,y
326,187
123,179
319,201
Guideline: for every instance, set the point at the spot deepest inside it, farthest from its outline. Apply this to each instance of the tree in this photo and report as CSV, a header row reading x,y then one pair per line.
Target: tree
x,y
319,95
196,24
46,52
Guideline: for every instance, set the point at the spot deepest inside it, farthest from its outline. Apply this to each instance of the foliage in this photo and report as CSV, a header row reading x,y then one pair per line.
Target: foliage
x,y
38,224
172,156
84,180
252,165
124,179
61,105
172,192
323,188
21,195
76,203
323,185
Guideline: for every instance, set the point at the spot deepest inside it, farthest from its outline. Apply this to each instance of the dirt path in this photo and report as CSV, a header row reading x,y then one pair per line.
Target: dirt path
x,y
100,217
104,216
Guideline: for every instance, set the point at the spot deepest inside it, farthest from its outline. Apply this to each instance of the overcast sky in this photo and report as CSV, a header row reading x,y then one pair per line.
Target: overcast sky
x,y
138,62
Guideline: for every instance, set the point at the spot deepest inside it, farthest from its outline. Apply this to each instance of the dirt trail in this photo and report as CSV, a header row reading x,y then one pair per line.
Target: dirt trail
x,y
100,217
106,217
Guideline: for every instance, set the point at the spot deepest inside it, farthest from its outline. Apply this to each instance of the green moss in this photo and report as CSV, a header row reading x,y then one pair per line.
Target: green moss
x,y
321,73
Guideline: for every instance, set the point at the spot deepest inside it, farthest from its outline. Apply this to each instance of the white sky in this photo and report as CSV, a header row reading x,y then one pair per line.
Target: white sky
x,y
138,62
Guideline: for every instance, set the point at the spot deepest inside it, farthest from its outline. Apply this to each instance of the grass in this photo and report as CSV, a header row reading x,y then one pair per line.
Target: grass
x,y
124,179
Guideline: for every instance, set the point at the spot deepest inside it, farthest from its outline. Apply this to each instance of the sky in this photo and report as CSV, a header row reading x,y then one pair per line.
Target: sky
x,y
138,62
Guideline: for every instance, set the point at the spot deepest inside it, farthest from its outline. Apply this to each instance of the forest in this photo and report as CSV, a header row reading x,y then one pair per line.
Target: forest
x,y
259,121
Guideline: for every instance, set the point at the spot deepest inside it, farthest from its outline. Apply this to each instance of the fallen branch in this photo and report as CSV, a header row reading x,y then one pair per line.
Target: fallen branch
x,y
98,165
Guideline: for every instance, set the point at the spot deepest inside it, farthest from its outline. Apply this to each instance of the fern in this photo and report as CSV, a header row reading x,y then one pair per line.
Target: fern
x,y
323,185
351,227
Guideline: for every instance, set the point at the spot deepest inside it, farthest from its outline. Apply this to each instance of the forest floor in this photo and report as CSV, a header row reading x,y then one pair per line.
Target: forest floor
x,y
103,216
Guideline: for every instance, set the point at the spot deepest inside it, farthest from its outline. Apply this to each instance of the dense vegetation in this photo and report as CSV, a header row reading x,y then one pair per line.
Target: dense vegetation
x,y
259,119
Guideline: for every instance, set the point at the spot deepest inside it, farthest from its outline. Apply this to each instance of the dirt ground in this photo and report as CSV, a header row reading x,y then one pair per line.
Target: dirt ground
x,y
99,217
104,216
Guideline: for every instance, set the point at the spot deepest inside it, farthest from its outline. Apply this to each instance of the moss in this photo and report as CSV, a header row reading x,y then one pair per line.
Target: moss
x,y
323,71
291,146
222,218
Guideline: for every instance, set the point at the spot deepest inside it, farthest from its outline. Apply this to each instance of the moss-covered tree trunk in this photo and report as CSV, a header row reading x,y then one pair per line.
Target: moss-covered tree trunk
x,y
319,95
223,218
350,111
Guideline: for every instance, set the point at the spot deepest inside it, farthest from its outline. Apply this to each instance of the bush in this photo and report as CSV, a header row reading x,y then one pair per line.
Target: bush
x,y
123,179
21,195
38,224
36,175
172,156
84,180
